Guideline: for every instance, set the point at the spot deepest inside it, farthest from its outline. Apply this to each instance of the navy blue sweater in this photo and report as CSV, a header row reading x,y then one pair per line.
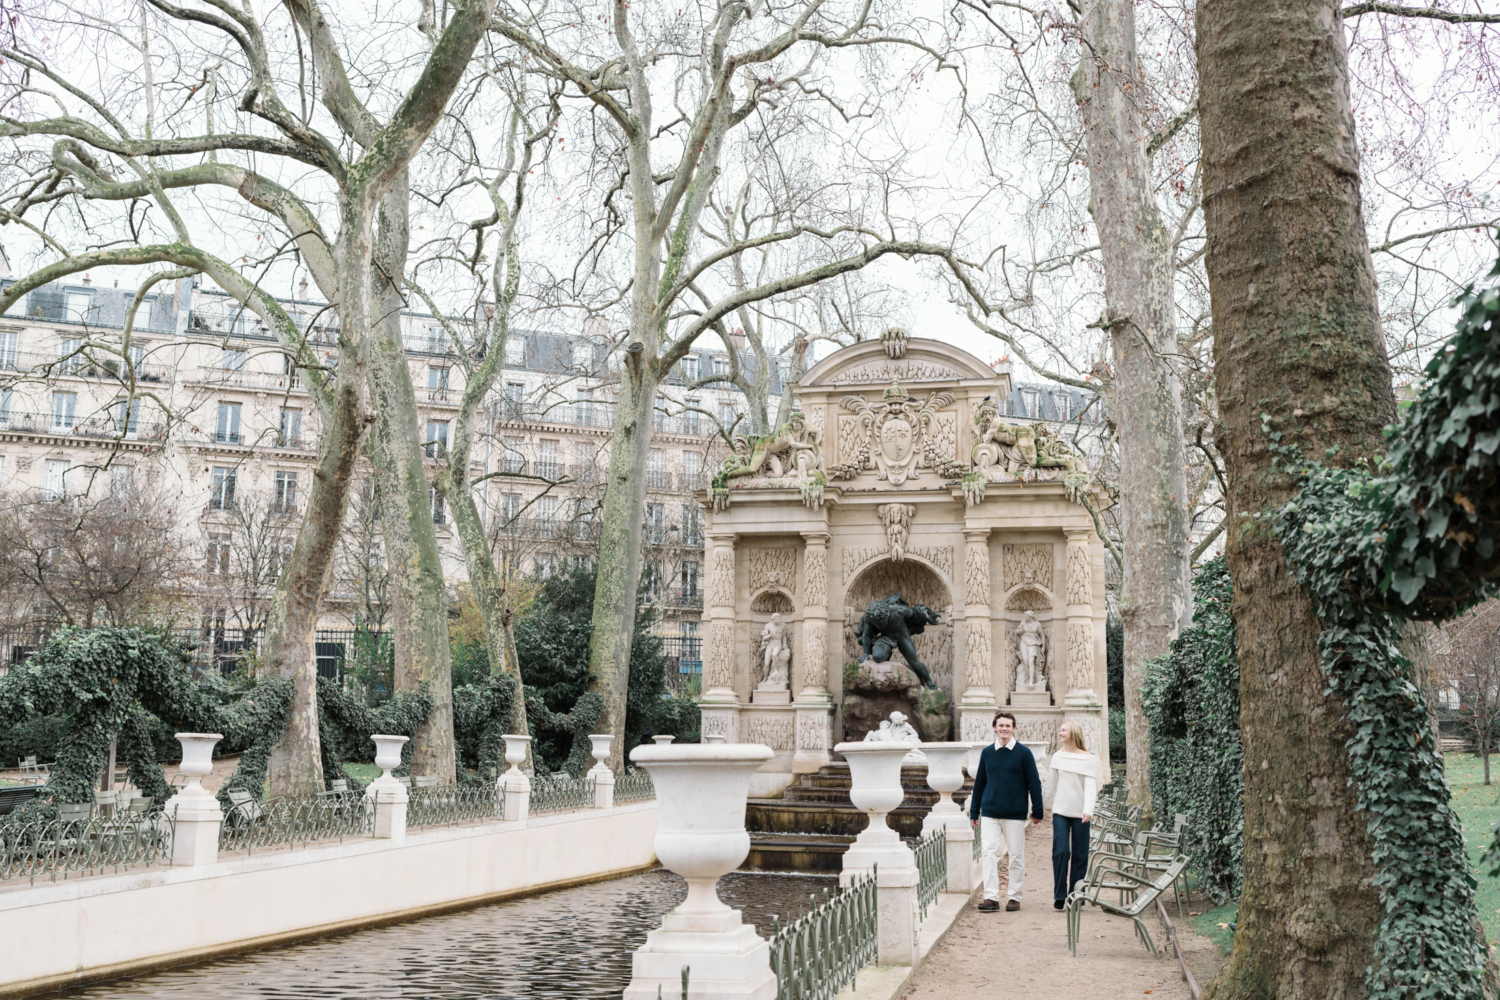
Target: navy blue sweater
x,y
1004,779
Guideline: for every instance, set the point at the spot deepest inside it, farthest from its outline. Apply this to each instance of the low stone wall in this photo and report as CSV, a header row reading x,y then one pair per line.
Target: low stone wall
x,y
103,927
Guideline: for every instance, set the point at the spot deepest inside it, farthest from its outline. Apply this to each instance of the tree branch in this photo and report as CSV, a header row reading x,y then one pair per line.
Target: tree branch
x,y
1452,17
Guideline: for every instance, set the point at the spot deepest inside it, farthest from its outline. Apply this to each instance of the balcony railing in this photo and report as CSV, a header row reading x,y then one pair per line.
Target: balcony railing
x,y
687,597
248,378
78,366
89,427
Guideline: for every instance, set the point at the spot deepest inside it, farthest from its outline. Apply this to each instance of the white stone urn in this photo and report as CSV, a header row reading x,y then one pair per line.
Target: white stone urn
x,y
662,741
875,788
387,758
945,775
600,752
516,748
197,761
714,738
701,790
971,761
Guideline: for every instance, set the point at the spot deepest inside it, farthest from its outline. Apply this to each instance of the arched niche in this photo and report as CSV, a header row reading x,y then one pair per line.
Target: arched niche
x,y
1040,602
762,606
918,583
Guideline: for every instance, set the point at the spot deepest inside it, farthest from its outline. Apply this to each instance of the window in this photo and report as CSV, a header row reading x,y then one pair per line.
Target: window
x,y
137,357
232,359
289,371
688,581
218,554
692,524
656,470
546,464
656,523
121,481
690,417
1029,403
437,342
439,508
128,416
437,439
291,428
726,416
1062,400
56,484
583,407
67,354
286,492
515,351
514,404
692,469
721,366
512,459
651,582
79,306
690,369
228,431
583,461
510,506
546,508
5,408
222,497
9,342
437,379
543,565
64,410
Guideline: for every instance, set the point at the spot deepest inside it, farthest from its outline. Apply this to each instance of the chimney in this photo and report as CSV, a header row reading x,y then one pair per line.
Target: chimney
x,y
302,288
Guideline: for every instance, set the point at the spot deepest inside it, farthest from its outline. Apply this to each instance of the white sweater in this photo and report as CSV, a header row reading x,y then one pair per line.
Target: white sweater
x,y
1075,793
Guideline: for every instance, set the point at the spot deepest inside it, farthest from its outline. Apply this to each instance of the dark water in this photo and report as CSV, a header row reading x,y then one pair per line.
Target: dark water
x,y
573,944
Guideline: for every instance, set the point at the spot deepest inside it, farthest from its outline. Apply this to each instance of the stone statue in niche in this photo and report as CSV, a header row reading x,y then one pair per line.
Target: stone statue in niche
x,y
890,624
776,653
1030,646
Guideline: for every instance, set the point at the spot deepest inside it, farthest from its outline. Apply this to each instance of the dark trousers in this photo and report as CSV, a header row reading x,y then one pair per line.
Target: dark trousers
x,y
1070,850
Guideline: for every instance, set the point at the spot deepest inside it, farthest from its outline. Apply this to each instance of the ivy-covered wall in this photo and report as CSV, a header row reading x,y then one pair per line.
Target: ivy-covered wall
x,y
1191,699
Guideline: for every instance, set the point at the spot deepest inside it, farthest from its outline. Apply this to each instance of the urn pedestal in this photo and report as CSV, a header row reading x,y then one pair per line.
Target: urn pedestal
x,y
388,795
875,773
700,793
195,810
945,776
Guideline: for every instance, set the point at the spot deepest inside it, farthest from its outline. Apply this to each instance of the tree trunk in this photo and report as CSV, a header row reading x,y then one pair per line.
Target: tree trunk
x,y
1299,360
296,764
419,598
1156,592
621,535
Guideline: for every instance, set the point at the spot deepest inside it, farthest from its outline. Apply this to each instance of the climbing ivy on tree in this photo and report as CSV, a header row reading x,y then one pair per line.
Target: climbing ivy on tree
x,y
1191,699
345,725
1412,539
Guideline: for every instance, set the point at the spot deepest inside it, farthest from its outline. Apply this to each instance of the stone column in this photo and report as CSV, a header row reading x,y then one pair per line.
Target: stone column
x,y
814,704
978,704
720,704
1078,652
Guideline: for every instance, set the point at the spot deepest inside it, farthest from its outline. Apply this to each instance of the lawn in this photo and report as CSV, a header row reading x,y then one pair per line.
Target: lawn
x,y
1478,808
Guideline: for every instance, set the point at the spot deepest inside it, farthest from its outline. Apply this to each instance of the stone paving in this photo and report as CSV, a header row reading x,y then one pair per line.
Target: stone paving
x,y
1025,954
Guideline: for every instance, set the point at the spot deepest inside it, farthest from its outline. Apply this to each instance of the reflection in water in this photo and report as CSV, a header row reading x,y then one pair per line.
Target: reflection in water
x,y
573,944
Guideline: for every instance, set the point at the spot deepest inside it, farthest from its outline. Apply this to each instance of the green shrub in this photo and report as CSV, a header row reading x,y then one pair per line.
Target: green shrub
x,y
1191,699
1114,661
40,737
1117,736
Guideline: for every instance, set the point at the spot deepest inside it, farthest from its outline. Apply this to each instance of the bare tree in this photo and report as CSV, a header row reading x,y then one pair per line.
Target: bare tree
x,y
715,70
234,51
110,557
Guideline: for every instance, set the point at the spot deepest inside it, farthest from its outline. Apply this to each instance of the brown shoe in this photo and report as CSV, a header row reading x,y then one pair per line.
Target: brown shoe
x,y
1012,905
988,906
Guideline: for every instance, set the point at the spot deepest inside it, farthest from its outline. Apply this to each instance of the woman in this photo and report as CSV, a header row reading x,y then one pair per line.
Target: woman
x,y
1075,771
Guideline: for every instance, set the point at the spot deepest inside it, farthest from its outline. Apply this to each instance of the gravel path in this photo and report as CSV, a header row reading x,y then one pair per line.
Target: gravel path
x,y
1025,954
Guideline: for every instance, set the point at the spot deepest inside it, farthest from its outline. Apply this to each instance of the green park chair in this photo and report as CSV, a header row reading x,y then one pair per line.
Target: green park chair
x,y
1145,893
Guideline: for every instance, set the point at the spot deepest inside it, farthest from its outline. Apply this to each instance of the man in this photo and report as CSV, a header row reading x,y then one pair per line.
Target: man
x,y
1007,775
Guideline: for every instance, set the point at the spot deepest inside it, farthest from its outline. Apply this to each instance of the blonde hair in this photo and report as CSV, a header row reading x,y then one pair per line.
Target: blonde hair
x,y
1075,738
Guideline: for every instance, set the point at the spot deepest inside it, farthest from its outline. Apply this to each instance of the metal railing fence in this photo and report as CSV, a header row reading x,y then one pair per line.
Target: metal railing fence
x,y
932,868
561,792
818,954
287,822
634,786
449,805
62,847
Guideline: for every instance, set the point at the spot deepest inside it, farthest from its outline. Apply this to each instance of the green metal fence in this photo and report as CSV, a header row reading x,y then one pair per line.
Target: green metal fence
x,y
818,954
561,793
448,805
58,848
932,867
298,820
634,786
